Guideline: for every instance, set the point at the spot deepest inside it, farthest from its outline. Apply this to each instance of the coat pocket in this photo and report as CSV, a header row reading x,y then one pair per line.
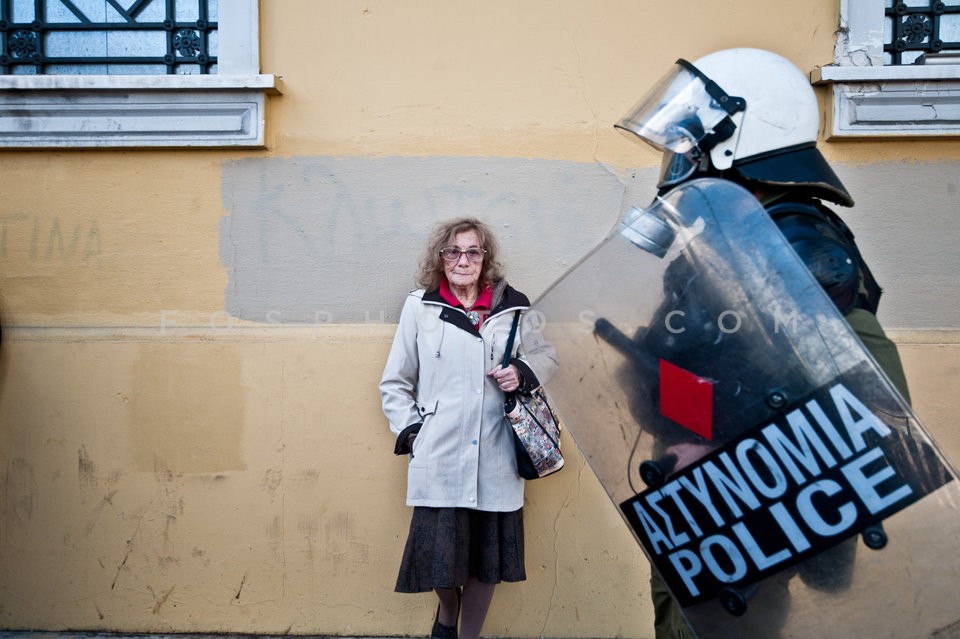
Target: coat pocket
x,y
427,408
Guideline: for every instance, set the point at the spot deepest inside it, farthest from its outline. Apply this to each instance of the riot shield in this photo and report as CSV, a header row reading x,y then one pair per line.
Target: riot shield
x,y
775,478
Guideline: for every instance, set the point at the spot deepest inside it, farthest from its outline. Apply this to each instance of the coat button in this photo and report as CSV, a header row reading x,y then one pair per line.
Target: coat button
x,y
474,442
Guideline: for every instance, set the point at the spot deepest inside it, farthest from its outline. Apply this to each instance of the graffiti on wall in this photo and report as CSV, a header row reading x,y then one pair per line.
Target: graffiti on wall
x,y
339,240
43,238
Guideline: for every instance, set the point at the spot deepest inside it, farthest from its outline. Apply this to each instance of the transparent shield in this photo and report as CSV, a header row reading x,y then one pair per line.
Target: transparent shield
x,y
752,444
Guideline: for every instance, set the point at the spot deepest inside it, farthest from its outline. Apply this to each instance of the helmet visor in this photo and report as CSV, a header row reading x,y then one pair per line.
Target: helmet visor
x,y
677,113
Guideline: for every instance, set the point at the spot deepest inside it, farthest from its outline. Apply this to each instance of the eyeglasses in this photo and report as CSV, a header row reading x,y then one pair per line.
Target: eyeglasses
x,y
452,254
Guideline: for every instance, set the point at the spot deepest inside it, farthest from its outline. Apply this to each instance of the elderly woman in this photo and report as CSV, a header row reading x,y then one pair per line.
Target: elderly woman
x,y
443,392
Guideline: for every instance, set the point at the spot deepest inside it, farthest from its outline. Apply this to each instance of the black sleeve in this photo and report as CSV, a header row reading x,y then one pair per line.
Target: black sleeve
x,y
528,379
402,447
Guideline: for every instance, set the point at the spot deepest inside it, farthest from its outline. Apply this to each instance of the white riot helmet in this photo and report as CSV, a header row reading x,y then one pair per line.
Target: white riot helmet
x,y
749,111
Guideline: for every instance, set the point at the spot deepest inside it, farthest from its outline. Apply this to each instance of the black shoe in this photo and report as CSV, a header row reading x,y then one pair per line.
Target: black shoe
x,y
441,631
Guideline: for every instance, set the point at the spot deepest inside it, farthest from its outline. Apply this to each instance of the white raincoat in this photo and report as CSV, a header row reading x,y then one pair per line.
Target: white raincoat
x,y
436,374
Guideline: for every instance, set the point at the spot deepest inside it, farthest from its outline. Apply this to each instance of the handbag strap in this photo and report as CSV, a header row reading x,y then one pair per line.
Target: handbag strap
x,y
513,334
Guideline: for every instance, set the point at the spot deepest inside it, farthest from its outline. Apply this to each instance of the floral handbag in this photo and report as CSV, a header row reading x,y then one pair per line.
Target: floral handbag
x,y
536,426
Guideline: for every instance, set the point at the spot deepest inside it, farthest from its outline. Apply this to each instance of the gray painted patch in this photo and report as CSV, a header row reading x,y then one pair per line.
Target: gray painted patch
x,y
339,239
907,223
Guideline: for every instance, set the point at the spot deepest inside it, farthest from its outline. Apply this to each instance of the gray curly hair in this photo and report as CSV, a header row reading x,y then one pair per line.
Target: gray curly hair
x,y
444,234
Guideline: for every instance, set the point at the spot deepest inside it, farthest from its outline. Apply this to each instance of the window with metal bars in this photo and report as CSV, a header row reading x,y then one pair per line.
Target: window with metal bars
x,y
104,37
921,32
132,73
904,84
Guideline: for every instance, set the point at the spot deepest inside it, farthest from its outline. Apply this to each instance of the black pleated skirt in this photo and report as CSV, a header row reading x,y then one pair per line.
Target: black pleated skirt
x,y
445,546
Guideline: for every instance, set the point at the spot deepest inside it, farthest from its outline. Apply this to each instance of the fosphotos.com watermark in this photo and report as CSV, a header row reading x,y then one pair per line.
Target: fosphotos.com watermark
x,y
727,321
171,320
675,322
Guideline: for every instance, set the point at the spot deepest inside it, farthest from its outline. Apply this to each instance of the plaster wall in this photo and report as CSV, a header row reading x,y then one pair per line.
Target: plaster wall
x,y
190,431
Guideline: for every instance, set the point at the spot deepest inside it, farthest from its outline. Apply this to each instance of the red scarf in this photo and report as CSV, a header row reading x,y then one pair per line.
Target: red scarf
x,y
480,309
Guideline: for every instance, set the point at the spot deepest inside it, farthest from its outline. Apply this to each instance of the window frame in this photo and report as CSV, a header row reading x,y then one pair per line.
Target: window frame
x,y
873,100
226,109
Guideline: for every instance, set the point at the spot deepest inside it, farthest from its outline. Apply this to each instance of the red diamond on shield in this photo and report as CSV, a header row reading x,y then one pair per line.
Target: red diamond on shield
x,y
686,399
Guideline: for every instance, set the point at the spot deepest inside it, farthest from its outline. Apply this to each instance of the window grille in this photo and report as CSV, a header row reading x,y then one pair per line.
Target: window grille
x,y
921,32
145,37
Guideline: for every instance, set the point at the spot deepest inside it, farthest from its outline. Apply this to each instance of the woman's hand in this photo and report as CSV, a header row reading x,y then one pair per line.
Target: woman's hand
x,y
508,379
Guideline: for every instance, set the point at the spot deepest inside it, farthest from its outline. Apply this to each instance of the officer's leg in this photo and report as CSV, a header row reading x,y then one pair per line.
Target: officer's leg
x,y
868,329
668,622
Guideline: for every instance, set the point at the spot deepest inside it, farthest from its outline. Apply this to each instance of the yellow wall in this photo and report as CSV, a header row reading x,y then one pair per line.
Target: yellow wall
x,y
173,460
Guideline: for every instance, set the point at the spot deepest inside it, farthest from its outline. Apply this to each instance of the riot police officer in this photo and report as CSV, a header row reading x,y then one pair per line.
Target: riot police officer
x,y
750,116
